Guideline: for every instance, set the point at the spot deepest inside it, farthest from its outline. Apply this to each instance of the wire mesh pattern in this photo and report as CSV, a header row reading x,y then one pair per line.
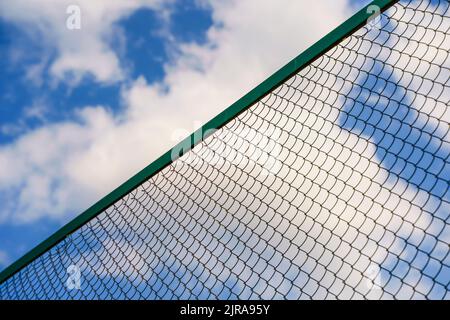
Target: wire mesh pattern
x,y
333,186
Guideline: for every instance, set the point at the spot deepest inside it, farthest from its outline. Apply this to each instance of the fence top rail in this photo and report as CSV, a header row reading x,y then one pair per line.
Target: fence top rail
x,y
294,66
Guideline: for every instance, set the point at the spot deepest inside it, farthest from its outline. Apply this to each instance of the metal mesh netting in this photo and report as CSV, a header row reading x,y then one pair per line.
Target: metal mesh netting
x,y
335,185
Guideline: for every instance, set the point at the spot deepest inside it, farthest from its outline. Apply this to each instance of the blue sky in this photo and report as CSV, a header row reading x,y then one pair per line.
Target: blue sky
x,y
144,55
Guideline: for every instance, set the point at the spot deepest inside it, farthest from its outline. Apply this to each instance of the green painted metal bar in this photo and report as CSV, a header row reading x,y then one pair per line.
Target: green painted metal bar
x,y
291,68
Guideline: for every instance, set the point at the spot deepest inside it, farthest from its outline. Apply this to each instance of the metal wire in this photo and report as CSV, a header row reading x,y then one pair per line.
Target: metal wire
x,y
333,186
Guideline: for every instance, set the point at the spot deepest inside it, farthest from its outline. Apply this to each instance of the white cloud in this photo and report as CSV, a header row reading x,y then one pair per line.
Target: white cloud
x,y
78,52
61,168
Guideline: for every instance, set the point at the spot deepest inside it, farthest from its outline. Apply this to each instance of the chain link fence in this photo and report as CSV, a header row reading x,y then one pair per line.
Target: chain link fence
x,y
335,185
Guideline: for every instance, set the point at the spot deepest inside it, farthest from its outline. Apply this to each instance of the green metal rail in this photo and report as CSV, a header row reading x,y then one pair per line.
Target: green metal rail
x,y
291,68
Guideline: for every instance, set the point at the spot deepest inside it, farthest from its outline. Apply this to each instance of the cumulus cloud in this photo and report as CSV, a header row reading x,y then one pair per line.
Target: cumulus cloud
x,y
79,52
61,168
